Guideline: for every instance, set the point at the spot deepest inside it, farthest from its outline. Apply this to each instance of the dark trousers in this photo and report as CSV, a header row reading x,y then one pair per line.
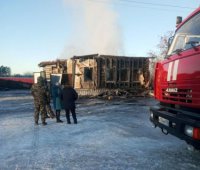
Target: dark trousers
x,y
67,111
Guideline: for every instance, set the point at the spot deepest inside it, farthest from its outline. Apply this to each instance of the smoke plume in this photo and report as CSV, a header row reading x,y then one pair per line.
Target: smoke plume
x,y
94,29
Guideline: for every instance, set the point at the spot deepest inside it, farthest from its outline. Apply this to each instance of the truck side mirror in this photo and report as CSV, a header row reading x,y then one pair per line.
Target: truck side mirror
x,y
178,20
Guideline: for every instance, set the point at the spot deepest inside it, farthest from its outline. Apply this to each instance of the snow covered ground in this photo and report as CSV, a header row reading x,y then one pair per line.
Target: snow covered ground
x,y
109,135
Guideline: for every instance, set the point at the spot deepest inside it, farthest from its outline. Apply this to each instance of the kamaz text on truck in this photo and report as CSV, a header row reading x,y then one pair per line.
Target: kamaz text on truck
x,y
177,84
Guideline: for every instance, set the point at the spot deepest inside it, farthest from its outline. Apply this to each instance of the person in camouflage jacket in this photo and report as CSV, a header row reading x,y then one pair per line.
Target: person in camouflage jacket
x,y
38,92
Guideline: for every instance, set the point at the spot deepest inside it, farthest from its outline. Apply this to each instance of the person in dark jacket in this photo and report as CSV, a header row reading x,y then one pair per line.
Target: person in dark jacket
x,y
69,96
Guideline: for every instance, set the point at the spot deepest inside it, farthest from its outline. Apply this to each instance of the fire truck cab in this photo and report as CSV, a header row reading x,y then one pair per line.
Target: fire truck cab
x,y
177,84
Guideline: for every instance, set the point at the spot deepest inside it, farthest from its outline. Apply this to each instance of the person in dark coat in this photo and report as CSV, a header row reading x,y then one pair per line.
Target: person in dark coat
x,y
69,96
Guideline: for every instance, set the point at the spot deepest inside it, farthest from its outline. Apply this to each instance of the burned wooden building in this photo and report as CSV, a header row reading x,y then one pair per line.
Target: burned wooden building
x,y
94,73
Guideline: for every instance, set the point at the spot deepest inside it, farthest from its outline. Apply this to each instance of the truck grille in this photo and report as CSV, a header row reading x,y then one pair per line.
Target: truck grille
x,y
177,95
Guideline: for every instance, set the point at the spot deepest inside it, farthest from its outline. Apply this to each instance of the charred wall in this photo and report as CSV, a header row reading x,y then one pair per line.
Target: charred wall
x,y
102,72
122,72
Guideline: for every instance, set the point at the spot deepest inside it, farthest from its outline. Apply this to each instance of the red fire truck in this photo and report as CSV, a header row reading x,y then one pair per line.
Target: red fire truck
x,y
177,84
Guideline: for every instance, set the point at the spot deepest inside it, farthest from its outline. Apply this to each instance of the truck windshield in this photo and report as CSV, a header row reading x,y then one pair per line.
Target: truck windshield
x,y
187,36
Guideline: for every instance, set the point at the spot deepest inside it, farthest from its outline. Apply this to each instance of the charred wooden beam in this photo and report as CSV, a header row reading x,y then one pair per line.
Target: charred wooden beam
x,y
91,56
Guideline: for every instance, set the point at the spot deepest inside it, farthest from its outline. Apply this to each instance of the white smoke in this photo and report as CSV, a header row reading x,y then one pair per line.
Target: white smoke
x,y
95,29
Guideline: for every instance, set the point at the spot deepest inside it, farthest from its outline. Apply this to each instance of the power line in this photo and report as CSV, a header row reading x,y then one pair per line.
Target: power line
x,y
132,4
143,3
155,4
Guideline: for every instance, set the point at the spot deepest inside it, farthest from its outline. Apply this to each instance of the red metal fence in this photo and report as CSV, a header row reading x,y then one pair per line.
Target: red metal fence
x,y
28,80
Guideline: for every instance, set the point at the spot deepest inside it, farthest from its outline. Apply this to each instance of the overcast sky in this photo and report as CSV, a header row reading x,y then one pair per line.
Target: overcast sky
x,y
32,31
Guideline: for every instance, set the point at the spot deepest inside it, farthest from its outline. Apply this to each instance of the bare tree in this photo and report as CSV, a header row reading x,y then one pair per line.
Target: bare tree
x,y
162,47
160,54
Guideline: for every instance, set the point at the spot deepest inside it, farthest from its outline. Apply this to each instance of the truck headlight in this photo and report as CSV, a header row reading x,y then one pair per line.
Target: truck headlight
x,y
188,130
192,132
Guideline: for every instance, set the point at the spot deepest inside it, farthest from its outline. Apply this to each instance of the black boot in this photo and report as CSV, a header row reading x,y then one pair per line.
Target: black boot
x,y
44,123
58,117
59,121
